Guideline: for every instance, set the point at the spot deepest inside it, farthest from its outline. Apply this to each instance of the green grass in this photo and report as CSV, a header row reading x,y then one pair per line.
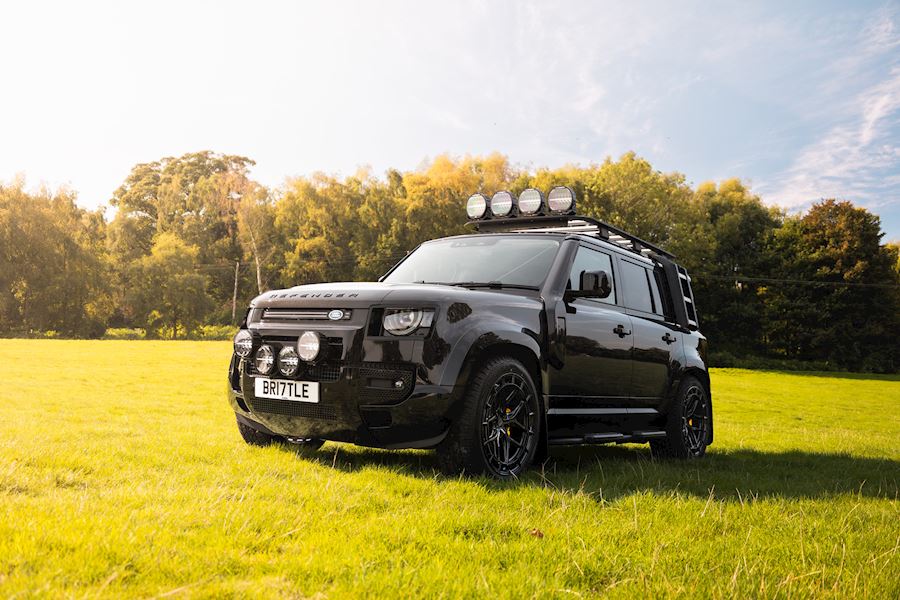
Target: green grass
x,y
122,474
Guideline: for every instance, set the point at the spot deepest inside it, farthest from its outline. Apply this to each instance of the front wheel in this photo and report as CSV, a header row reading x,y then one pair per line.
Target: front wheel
x,y
688,424
498,430
254,437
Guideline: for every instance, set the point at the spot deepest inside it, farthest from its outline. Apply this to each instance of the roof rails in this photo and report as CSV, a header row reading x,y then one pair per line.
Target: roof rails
x,y
573,224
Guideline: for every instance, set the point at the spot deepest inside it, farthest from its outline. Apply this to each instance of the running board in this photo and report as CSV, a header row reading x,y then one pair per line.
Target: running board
x,y
607,438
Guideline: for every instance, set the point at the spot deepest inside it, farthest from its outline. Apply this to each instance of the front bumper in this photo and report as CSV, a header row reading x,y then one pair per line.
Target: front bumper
x,y
358,403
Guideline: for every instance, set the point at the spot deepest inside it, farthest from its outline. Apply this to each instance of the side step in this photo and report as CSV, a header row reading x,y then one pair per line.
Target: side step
x,y
607,438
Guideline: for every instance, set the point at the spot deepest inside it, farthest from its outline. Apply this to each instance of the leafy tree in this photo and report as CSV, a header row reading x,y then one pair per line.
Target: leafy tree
x,y
737,230
53,268
256,232
195,197
851,318
317,220
434,200
172,295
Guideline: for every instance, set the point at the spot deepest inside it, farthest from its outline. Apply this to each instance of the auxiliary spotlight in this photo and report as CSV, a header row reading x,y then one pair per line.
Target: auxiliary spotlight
x,y
561,200
502,204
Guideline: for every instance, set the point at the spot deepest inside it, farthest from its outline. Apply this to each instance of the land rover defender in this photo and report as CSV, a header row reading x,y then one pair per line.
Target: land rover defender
x,y
540,328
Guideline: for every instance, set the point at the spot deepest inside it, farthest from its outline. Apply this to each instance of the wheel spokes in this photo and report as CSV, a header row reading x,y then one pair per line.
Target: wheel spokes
x,y
507,426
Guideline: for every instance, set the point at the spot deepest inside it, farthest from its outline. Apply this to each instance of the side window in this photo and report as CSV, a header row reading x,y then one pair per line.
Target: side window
x,y
664,307
637,287
591,260
654,289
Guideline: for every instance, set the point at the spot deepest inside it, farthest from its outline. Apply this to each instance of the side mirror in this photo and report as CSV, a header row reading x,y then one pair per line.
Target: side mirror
x,y
594,284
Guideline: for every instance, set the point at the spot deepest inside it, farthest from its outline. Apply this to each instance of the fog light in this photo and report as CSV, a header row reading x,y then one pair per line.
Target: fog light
x,y
243,343
288,361
308,345
265,359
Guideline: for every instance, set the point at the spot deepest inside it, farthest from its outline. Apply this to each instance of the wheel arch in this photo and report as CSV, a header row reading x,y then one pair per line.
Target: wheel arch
x,y
484,350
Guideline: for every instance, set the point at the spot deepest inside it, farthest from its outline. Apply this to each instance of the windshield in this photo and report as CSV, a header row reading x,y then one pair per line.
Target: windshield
x,y
489,259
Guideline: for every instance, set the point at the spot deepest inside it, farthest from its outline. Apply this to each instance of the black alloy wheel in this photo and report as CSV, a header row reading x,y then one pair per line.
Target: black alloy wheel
x,y
688,425
695,420
509,424
499,425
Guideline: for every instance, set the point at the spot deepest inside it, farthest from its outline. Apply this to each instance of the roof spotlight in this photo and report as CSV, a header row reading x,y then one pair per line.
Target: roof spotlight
x,y
561,200
502,204
476,207
531,202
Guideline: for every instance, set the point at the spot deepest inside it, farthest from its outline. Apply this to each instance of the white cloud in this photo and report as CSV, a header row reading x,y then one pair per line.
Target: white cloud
x,y
858,155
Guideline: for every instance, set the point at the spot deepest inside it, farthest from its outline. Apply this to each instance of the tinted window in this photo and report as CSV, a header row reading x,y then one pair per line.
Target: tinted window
x,y
514,260
591,260
637,287
658,307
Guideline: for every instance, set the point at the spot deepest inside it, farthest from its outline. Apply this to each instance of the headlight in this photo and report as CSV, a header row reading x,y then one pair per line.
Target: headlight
x,y
308,345
288,361
243,343
476,207
502,204
265,359
405,321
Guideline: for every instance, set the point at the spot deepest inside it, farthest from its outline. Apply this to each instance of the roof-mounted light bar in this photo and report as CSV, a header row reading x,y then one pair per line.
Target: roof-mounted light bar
x,y
531,212
530,203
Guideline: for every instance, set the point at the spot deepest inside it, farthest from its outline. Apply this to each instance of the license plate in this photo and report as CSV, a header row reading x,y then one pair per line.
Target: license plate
x,y
284,389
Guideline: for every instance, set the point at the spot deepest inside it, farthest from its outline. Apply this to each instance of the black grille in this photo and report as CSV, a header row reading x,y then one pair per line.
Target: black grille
x,y
298,314
294,409
325,373
377,385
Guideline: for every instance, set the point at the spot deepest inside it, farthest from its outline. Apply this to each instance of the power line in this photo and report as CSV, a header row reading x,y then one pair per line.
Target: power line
x,y
813,282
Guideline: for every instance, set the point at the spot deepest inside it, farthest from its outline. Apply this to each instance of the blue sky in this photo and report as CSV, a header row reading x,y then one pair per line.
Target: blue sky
x,y
799,99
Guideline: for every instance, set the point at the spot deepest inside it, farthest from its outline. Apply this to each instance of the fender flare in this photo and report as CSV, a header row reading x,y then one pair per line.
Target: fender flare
x,y
477,339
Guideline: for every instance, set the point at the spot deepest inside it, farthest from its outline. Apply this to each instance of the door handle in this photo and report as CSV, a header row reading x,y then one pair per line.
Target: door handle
x,y
621,331
668,338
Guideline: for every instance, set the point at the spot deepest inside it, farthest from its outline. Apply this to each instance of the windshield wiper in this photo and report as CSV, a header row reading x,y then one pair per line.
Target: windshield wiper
x,y
494,285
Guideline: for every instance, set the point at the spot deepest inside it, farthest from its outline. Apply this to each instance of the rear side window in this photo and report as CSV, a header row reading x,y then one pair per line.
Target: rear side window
x,y
636,285
661,305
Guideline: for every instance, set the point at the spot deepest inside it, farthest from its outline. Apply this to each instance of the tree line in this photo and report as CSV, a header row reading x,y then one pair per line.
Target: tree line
x,y
194,236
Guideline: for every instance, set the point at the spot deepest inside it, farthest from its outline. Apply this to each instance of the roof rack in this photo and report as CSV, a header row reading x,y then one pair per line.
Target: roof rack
x,y
573,224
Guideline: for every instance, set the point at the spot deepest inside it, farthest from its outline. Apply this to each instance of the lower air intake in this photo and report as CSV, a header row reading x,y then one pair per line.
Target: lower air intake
x,y
293,409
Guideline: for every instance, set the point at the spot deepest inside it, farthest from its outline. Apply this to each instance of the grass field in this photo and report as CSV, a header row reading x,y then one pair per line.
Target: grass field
x,y
122,474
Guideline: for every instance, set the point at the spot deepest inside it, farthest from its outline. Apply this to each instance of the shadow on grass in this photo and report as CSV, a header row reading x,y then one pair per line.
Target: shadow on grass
x,y
613,471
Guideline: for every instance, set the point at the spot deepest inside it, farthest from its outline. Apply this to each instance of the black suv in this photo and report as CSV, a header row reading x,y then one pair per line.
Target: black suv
x,y
543,328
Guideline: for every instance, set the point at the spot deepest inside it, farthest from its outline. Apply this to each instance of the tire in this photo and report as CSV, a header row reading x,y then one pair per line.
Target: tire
x,y
255,437
688,424
499,426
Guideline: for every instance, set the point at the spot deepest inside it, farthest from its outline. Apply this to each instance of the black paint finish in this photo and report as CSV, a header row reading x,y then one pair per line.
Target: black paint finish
x,y
605,372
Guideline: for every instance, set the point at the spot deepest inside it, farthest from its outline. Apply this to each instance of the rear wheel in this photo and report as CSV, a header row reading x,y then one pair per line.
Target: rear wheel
x,y
688,424
498,430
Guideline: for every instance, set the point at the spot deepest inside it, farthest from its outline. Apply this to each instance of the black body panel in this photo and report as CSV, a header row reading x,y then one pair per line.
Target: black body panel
x,y
606,372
